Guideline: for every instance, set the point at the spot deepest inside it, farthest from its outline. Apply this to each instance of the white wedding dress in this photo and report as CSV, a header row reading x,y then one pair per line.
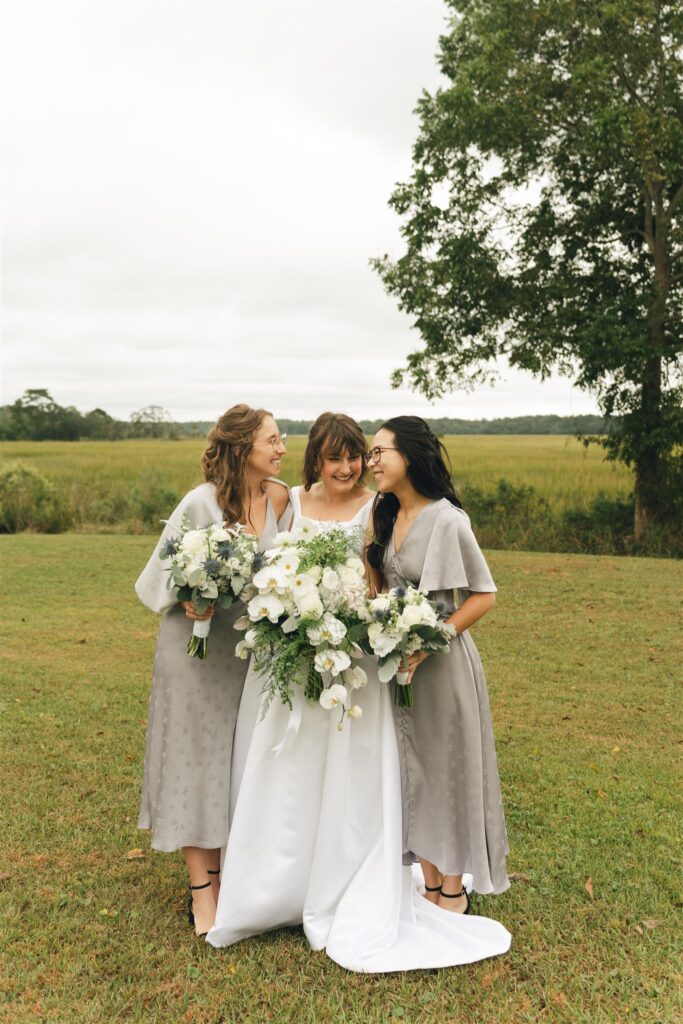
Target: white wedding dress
x,y
315,837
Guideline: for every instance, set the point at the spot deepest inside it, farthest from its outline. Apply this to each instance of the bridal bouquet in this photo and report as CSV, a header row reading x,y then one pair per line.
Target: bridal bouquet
x,y
305,609
403,622
209,566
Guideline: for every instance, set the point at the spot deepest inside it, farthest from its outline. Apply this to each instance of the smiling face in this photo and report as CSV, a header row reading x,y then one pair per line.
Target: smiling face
x,y
340,473
267,450
391,469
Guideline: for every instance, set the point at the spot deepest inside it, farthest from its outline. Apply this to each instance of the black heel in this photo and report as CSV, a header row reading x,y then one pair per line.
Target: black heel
x,y
190,914
456,895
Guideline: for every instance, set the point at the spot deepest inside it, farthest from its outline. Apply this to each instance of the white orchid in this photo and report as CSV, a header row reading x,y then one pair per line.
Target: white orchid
x,y
355,677
334,696
265,606
327,630
271,578
331,661
355,711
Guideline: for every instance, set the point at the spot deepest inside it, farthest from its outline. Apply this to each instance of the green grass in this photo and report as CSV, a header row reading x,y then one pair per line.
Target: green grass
x,y
558,467
582,661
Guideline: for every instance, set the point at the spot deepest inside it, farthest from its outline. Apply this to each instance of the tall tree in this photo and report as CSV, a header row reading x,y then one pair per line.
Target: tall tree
x,y
543,219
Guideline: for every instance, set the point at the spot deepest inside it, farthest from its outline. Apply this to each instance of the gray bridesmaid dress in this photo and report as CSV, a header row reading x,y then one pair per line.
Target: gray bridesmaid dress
x,y
452,806
193,704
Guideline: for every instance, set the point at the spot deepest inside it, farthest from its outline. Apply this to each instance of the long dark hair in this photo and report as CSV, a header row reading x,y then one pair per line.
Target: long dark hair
x,y
428,469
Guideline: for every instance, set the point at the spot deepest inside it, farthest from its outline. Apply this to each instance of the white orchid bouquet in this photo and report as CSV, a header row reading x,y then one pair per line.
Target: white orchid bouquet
x,y
403,622
209,566
305,609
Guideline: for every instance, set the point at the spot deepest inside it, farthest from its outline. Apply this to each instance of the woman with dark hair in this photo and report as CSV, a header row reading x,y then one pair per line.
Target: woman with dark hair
x,y
315,812
194,703
452,809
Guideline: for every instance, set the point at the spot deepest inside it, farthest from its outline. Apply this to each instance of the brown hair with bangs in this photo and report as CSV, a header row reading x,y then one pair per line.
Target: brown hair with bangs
x,y
333,433
224,460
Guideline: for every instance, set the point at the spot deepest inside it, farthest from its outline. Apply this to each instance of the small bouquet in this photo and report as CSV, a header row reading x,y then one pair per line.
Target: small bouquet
x,y
209,566
403,622
304,610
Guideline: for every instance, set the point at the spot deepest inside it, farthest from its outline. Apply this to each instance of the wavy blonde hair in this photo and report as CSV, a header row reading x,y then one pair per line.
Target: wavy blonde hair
x,y
224,460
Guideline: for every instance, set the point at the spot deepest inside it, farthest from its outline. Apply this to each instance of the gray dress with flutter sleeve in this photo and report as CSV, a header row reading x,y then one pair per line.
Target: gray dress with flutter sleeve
x,y
193,704
452,806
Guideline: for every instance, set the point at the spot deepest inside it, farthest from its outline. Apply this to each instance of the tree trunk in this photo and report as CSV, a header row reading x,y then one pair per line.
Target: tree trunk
x,y
648,463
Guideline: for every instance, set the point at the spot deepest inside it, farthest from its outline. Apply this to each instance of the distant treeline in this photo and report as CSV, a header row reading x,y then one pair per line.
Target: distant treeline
x,y
37,417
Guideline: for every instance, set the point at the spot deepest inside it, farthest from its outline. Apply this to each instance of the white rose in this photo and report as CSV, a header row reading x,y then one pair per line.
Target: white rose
x,y
416,615
356,564
265,606
381,603
331,661
309,604
194,543
355,711
349,577
219,534
330,579
333,696
315,573
355,677
380,641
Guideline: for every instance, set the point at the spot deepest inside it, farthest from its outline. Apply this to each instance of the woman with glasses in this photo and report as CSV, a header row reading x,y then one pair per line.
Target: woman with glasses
x,y
452,809
315,835
194,703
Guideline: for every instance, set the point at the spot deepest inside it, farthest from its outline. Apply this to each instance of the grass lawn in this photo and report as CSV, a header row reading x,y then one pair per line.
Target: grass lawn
x,y
582,663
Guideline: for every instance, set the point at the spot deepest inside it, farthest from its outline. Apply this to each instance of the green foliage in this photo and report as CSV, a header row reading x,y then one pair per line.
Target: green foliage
x,y
543,221
28,502
582,663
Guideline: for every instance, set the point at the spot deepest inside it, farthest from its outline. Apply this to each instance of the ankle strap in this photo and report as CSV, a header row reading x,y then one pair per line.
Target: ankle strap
x,y
454,895
209,872
432,888
205,886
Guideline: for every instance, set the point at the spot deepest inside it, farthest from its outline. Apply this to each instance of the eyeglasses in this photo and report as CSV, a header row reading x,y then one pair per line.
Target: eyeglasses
x,y
375,454
275,442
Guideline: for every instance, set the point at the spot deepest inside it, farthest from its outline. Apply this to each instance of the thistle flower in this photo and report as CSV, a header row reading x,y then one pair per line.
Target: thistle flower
x,y
211,566
169,548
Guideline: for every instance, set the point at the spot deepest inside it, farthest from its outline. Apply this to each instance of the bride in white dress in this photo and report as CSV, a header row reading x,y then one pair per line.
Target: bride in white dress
x,y
315,831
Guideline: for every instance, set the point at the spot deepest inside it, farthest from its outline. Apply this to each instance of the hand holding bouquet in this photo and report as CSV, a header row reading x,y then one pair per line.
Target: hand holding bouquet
x,y
304,609
403,622
209,566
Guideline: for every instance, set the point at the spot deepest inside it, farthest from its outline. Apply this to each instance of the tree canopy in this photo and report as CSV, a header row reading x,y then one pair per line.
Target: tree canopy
x,y
543,217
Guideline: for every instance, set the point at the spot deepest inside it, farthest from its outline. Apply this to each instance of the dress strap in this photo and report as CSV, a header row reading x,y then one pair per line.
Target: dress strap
x,y
296,501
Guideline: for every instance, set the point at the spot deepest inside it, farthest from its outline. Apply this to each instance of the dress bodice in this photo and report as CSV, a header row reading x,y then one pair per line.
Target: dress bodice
x,y
355,527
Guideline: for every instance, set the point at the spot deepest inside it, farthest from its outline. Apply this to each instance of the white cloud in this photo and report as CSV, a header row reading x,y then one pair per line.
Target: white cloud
x,y
192,192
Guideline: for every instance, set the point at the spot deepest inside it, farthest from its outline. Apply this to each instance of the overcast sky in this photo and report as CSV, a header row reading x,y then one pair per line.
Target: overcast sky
x,y
191,194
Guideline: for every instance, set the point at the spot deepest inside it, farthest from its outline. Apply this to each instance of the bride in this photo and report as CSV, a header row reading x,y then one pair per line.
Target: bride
x,y
315,830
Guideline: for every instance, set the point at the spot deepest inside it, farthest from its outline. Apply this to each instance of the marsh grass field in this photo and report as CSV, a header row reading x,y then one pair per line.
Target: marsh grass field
x,y
558,467
583,657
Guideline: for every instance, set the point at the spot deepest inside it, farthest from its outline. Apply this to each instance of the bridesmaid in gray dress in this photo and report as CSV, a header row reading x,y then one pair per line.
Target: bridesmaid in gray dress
x,y
194,703
452,809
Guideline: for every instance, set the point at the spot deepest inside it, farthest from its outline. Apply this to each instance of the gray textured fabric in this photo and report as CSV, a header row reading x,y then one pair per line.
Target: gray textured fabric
x,y
193,704
452,807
